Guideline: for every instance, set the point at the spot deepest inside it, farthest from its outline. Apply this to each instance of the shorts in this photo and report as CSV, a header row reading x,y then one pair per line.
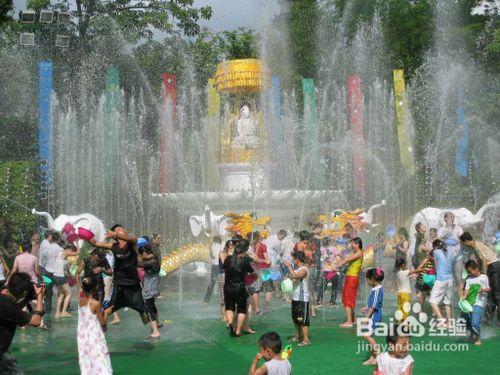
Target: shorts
x,y
267,286
403,297
2,284
421,287
235,299
441,292
127,296
350,291
222,278
59,280
300,313
254,287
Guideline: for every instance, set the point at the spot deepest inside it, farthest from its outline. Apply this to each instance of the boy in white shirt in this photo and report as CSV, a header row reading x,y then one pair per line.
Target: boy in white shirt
x,y
475,292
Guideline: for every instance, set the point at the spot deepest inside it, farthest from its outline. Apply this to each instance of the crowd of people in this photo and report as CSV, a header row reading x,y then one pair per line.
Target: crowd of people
x,y
123,271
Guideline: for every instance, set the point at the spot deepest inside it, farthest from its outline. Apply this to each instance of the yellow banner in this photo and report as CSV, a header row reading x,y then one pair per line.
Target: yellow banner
x,y
403,122
213,135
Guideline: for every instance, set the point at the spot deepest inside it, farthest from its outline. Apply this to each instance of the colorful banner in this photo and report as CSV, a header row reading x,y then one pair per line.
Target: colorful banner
x,y
356,118
311,139
462,147
45,131
276,136
167,133
213,135
403,123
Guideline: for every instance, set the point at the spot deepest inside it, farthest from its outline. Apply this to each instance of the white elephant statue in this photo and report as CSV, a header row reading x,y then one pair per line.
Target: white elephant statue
x,y
87,221
433,217
209,224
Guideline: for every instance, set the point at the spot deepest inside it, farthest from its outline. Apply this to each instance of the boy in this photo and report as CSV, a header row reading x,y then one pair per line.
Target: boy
x,y
300,298
270,350
477,299
396,361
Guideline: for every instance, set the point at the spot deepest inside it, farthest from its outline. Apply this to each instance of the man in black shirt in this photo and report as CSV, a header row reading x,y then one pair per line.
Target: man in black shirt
x,y
127,291
12,301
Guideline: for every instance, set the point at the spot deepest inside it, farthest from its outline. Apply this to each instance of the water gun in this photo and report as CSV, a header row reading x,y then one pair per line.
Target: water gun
x,y
287,352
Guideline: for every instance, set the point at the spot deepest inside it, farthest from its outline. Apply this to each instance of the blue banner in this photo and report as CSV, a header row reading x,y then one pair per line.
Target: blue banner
x,y
45,124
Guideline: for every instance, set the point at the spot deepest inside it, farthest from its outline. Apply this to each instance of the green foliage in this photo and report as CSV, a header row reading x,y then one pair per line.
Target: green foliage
x,y
5,7
239,44
18,184
303,20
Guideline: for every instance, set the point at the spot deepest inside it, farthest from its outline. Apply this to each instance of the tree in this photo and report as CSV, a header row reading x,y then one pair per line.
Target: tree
x,y
303,20
6,7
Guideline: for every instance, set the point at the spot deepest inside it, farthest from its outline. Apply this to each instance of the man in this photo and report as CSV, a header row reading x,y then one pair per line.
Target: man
x,y
490,265
215,249
273,244
127,291
450,233
49,252
155,245
12,301
350,289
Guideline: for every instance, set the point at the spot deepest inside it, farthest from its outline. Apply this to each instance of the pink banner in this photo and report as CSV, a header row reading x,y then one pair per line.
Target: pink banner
x,y
355,103
168,120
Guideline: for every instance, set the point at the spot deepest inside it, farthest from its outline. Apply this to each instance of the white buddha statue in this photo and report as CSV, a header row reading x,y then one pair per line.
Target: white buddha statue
x,y
245,129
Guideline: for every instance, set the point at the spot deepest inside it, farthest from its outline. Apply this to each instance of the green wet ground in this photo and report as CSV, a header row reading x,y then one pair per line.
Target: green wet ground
x,y
196,342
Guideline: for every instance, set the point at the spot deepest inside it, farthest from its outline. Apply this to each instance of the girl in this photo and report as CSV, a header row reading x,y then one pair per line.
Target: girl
x,y
330,256
403,243
425,267
442,288
223,254
300,298
403,285
60,280
373,310
93,354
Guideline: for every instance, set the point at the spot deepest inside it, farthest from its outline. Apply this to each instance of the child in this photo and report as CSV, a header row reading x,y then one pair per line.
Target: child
x,y
93,354
397,361
373,310
476,298
300,298
403,285
270,350
330,257
442,288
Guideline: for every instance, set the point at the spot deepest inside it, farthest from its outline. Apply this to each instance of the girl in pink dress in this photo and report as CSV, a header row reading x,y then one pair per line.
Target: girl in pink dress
x,y
93,354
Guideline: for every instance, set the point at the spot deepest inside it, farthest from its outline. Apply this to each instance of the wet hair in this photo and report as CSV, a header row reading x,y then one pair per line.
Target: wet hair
x,y
20,286
217,239
404,233
282,232
300,256
241,247
348,226
358,242
272,341
89,284
466,236
227,244
70,246
154,235
447,214
375,274
26,246
254,236
48,234
326,241
438,244
114,227
304,235
236,238
399,263
394,330
472,264
418,227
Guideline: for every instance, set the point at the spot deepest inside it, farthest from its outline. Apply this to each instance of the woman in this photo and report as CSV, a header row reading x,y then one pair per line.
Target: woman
x,y
226,251
4,272
421,247
236,267
150,260
61,281
403,243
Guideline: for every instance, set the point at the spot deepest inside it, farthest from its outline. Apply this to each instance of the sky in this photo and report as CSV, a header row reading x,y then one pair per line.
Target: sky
x,y
227,14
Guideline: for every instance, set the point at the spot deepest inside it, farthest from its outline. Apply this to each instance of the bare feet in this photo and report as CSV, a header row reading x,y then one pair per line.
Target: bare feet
x,y
115,321
57,316
346,325
66,315
478,342
304,343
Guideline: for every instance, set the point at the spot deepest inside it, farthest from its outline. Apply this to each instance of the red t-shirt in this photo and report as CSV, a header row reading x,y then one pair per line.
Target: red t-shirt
x,y
261,251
